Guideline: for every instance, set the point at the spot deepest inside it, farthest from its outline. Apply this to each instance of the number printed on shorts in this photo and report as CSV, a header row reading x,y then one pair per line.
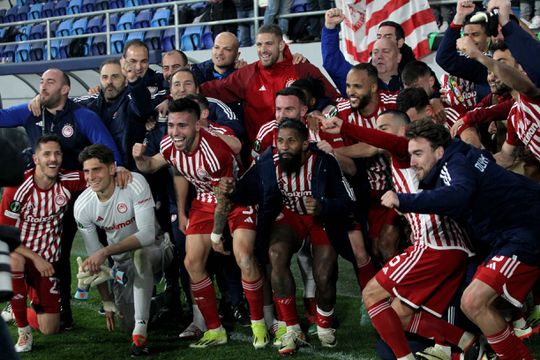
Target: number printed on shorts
x,y
54,287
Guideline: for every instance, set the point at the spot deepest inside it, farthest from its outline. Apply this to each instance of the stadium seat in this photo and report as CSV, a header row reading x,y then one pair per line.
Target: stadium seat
x,y
37,51
11,15
116,4
2,16
191,40
143,19
9,52
168,40
126,21
94,24
153,39
113,20
35,11
22,14
64,29
137,35
74,7
300,6
145,2
55,48
102,5
64,48
53,27
79,26
88,6
158,1
48,9
23,33
98,45
117,43
23,53
132,3
207,41
37,32
61,8
161,17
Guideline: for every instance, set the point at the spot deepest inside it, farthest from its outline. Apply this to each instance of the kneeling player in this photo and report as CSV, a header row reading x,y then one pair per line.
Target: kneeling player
x,y
127,216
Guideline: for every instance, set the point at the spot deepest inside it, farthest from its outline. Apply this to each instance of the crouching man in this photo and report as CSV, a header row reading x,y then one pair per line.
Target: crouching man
x,y
127,217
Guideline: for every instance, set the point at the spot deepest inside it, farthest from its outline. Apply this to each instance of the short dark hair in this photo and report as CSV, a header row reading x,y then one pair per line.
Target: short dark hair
x,y
299,126
47,138
271,29
185,105
401,115
436,134
199,99
176,51
482,23
113,61
414,70
499,45
293,91
312,85
416,98
371,70
136,43
400,34
97,151
186,70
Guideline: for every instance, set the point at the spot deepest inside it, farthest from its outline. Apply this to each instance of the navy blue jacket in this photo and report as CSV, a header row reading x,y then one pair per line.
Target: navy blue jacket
x,y
76,126
259,186
125,117
499,208
205,72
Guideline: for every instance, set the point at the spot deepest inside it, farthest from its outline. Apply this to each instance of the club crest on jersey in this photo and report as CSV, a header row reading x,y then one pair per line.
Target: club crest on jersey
x,y
202,173
121,208
60,200
67,131
15,206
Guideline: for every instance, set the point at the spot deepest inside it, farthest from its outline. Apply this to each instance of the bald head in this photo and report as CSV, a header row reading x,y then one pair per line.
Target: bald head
x,y
225,51
54,89
386,58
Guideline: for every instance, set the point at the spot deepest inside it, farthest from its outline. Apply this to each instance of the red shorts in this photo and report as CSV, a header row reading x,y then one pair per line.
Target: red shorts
x,y
423,277
304,225
44,292
509,277
201,218
379,215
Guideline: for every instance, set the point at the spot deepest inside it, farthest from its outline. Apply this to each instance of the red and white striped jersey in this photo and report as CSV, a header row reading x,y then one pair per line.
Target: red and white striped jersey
x,y
266,137
39,213
523,124
211,160
435,231
217,129
297,186
452,115
457,92
378,166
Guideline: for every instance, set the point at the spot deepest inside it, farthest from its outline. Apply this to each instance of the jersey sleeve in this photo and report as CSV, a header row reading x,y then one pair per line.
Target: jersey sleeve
x,y
10,210
87,229
14,116
143,206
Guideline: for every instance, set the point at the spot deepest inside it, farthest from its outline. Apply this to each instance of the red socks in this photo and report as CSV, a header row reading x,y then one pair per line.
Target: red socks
x,y
18,301
429,326
287,309
205,297
508,346
254,297
388,325
365,273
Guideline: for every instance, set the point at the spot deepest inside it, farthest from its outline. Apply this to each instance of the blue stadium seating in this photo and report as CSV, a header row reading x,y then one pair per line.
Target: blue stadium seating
x,y
24,33
161,17
11,14
191,40
168,40
300,6
153,39
94,24
48,9
117,43
137,35
98,45
61,8
64,29
143,19
131,3
9,52
35,11
22,14
74,7
102,5
88,6
79,26
207,40
37,51
38,31
116,4
3,15
126,21
23,53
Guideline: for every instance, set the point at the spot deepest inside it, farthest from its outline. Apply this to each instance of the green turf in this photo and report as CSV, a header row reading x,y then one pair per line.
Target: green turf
x,y
89,339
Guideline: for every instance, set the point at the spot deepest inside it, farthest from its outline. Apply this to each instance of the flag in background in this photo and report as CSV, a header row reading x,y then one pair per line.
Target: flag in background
x,y
362,18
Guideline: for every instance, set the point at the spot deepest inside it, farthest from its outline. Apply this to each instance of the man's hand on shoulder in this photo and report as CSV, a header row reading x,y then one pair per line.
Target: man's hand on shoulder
x,y
123,177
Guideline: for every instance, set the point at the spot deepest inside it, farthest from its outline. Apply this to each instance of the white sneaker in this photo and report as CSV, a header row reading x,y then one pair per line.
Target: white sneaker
x,y
327,337
535,22
26,340
7,313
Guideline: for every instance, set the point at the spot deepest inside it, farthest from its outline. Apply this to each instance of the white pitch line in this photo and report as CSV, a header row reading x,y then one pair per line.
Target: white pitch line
x,y
339,355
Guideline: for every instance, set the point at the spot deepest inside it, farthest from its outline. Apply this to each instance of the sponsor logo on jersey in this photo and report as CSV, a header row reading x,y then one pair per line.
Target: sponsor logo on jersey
x,y
262,88
121,208
99,218
60,200
119,226
67,131
15,207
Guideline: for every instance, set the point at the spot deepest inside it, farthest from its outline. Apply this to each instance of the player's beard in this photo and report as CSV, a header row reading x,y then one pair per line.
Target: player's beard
x,y
363,102
290,164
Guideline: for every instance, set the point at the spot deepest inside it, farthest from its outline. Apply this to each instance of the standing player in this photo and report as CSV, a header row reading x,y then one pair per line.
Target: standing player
x,y
303,193
127,216
37,208
203,159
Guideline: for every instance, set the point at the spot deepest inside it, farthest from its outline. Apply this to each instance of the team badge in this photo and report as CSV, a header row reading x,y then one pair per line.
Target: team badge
x,y
257,146
15,206
60,200
122,208
67,131
202,173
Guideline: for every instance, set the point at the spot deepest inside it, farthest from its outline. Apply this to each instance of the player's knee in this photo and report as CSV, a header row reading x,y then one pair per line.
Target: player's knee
x,y
49,327
277,257
245,261
471,304
369,293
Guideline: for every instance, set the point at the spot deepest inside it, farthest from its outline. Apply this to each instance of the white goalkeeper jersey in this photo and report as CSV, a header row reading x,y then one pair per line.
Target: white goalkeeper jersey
x,y
129,211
